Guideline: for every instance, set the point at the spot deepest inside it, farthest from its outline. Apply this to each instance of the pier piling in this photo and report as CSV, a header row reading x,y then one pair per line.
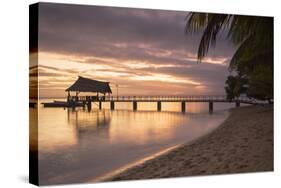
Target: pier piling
x,y
183,106
112,105
210,107
135,105
158,106
100,105
89,105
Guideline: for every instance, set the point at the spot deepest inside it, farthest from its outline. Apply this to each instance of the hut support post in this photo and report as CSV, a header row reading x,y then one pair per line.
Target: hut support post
x,y
76,97
89,105
68,96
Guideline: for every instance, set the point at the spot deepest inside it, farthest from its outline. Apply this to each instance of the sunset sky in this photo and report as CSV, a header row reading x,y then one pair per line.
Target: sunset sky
x,y
145,52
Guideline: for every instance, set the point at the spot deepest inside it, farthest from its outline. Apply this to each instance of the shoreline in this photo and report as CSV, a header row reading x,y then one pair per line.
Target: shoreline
x,y
110,175
242,143
123,169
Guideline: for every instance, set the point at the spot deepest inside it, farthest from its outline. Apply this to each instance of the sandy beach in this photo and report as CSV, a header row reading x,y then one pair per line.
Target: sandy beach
x,y
243,143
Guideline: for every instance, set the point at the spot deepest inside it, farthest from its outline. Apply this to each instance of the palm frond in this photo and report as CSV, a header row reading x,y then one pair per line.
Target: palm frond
x,y
212,25
195,22
240,29
210,33
251,50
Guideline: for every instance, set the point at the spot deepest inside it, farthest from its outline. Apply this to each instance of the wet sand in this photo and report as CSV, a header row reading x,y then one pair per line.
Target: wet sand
x,y
243,143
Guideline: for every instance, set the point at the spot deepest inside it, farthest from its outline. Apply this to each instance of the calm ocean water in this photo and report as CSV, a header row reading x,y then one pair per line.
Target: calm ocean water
x,y
78,146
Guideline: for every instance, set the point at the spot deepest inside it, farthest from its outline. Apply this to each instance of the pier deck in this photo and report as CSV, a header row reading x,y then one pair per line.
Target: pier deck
x,y
86,100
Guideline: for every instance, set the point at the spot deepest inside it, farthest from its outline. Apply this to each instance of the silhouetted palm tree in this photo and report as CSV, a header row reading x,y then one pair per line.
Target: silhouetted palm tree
x,y
252,35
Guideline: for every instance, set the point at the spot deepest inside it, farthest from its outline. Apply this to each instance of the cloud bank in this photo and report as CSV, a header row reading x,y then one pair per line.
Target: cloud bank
x,y
129,47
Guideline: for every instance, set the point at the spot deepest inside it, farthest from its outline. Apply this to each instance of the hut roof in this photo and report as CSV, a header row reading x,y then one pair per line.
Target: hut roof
x,y
88,85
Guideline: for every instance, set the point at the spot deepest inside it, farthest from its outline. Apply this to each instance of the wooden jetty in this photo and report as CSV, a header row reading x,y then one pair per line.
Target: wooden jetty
x,y
88,85
83,101
178,99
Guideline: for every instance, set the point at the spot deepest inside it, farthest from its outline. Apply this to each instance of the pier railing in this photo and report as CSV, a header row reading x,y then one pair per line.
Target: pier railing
x,y
191,98
87,100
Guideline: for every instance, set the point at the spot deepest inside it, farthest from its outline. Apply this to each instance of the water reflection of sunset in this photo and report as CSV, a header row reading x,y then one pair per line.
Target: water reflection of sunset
x,y
64,136
72,127
152,125
73,143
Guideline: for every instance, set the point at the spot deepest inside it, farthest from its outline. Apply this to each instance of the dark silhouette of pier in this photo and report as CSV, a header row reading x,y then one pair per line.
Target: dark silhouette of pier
x,y
94,86
160,99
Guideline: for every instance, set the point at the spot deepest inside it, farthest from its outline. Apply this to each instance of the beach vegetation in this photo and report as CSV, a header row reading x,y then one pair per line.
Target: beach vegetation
x,y
252,62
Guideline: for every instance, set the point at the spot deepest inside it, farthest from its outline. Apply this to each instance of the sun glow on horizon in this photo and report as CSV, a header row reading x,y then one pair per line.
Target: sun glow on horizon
x,y
165,78
58,71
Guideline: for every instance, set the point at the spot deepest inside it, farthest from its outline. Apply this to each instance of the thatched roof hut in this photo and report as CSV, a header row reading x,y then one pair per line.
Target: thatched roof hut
x,y
88,85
